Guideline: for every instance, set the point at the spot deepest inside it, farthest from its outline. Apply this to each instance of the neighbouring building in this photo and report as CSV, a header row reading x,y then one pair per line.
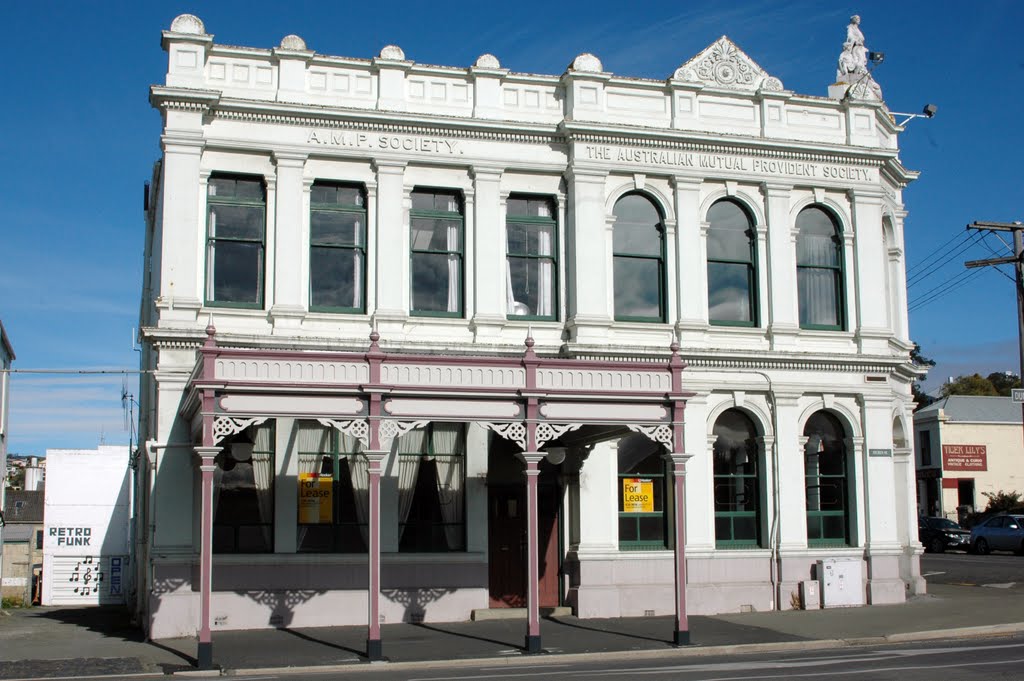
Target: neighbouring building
x,y
967,446
23,546
6,358
85,533
418,341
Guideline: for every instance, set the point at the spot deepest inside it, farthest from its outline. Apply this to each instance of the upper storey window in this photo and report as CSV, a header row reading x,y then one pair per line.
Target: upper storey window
x,y
436,224
819,270
532,271
235,227
337,247
732,266
639,260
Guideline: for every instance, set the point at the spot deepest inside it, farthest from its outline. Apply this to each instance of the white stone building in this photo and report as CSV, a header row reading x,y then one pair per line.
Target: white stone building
x,y
345,257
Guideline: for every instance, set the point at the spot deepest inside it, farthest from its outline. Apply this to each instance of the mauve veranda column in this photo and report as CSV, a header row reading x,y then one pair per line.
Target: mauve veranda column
x,y
204,652
374,645
532,644
681,636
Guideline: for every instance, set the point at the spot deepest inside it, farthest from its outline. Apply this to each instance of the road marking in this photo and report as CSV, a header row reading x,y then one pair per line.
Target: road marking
x,y
1007,585
932,574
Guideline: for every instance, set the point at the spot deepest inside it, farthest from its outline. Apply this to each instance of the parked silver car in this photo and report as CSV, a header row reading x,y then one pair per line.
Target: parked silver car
x,y
999,533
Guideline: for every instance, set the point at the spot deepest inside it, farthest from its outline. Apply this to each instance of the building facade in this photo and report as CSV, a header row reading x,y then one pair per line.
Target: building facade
x,y
23,546
6,358
380,292
967,446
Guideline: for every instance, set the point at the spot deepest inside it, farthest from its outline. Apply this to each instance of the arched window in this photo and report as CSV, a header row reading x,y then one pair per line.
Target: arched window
x,y
819,270
732,265
737,487
825,474
639,260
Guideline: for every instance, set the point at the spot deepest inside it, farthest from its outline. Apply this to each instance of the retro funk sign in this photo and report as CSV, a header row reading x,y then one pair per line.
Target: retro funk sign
x,y
637,495
964,458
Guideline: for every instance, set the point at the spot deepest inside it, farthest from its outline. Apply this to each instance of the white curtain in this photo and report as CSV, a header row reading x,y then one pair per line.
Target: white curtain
x,y
544,274
450,461
263,475
408,470
357,266
817,285
510,296
454,285
359,471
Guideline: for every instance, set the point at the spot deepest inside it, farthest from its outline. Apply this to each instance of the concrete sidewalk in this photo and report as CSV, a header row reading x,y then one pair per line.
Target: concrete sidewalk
x,y
48,642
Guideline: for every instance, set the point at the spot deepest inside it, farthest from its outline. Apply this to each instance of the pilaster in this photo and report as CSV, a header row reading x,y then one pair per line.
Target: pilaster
x,y
489,266
290,218
871,299
391,247
588,258
782,305
692,321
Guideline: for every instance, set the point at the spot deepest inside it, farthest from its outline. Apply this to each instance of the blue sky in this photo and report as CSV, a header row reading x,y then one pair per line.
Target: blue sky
x,y
79,139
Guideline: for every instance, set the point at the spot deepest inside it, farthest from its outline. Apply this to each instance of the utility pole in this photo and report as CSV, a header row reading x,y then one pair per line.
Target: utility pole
x,y
1017,260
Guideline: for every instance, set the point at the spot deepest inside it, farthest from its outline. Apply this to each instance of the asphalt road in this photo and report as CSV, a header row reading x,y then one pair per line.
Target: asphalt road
x,y
994,658
998,570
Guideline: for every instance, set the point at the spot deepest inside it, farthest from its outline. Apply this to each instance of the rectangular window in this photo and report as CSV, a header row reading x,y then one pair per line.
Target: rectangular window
x,y
531,278
643,523
337,247
436,238
235,226
39,540
243,493
431,489
924,442
334,483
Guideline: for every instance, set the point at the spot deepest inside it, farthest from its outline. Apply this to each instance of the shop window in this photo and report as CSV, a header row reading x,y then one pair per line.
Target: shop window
x,y
924,442
243,493
819,270
732,266
643,522
827,486
337,247
333,480
638,239
236,209
436,239
737,486
431,489
531,279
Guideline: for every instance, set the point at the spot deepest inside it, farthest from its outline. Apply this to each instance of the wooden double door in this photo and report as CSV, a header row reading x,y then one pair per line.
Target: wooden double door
x,y
507,549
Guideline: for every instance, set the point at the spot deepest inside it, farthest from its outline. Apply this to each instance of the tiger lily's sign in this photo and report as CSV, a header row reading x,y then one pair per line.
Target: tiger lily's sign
x,y
637,495
964,458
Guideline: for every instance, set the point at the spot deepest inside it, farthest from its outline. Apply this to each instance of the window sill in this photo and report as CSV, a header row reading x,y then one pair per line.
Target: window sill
x,y
345,558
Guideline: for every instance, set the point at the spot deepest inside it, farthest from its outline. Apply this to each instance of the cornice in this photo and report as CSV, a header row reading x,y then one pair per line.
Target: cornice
x,y
182,99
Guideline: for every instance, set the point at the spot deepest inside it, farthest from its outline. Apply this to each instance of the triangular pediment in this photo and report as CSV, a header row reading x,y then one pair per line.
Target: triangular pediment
x,y
723,64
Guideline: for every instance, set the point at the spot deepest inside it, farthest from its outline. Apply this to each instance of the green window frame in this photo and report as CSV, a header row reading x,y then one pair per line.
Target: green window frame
x,y
642,530
820,270
325,451
337,247
531,238
827,482
638,260
437,266
732,266
236,212
432,489
737,482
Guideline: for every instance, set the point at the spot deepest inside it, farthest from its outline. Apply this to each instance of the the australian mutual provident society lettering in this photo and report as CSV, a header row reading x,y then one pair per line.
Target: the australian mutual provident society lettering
x,y
370,140
728,162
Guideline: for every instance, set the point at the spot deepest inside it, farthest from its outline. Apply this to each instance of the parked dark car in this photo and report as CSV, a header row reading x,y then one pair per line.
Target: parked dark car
x,y
941,534
999,533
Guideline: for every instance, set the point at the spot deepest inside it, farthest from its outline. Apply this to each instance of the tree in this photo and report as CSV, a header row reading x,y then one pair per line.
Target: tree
x,y
921,398
1001,501
1004,382
975,384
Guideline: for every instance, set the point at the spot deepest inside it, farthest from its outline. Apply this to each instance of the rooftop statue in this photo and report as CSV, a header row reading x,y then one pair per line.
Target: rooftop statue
x,y
853,65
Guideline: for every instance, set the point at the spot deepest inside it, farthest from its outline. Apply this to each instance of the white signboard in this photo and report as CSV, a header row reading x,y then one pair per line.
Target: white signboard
x,y
1018,394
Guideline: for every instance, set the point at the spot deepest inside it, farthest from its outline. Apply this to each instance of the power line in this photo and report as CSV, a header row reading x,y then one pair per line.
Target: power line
x,y
972,240
963,236
942,289
82,372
